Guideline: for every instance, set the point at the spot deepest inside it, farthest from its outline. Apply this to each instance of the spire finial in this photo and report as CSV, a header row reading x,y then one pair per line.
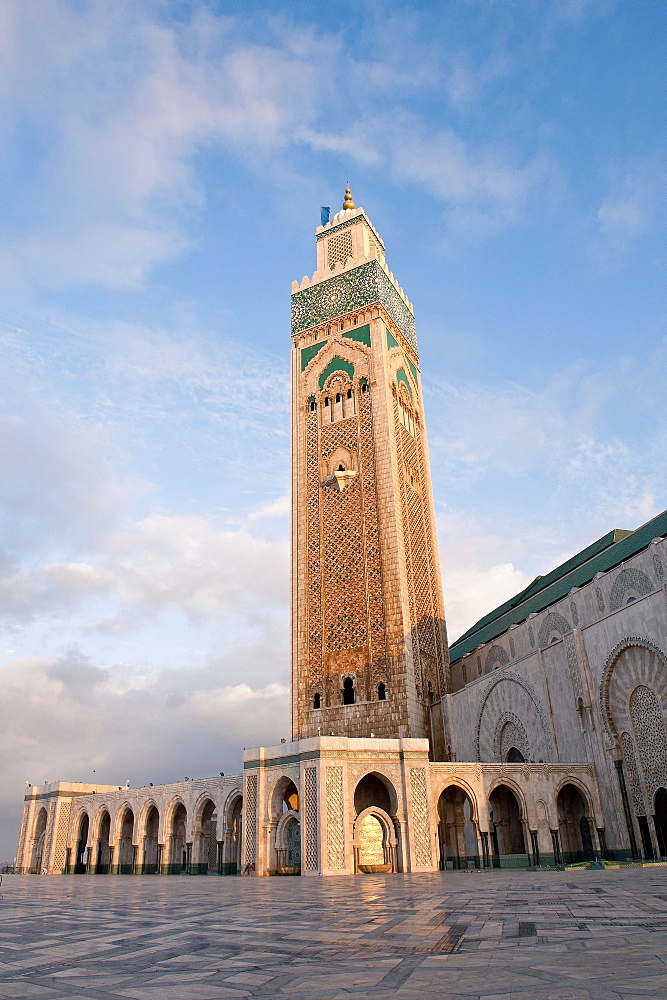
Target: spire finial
x,y
348,203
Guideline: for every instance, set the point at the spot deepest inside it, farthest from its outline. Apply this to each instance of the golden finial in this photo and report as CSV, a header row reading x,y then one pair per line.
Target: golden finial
x,y
348,203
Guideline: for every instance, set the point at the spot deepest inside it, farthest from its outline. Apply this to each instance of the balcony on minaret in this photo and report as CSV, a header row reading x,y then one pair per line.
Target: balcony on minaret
x,y
340,479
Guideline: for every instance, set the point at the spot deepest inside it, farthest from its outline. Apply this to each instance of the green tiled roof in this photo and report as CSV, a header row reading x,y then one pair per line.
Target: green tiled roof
x,y
610,550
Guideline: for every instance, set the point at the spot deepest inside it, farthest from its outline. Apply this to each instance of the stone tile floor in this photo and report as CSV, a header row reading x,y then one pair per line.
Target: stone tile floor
x,y
496,935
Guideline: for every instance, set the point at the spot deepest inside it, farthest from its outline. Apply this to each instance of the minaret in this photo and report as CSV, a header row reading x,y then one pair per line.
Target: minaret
x,y
369,651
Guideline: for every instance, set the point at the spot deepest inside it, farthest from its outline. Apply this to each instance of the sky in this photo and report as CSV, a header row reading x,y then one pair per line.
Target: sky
x,y
163,167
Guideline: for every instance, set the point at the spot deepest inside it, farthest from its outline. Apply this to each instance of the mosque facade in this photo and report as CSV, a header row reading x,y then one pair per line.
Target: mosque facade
x,y
539,738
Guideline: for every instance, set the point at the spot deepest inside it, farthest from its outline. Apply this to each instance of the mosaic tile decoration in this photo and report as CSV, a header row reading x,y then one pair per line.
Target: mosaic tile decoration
x,y
358,287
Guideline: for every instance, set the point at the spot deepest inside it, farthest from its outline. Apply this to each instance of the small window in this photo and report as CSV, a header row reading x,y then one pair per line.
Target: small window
x,y
382,692
339,397
312,405
317,700
348,691
326,400
364,386
341,468
349,394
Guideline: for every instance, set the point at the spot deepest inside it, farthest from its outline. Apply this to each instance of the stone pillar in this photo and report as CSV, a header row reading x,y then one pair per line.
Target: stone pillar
x,y
555,841
618,764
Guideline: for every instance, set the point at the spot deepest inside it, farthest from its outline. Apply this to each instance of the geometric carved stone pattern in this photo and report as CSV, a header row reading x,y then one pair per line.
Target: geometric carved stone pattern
x,y
510,696
628,579
420,826
61,836
339,248
335,827
600,600
650,737
632,772
250,817
310,816
554,622
510,733
422,589
496,657
632,662
573,666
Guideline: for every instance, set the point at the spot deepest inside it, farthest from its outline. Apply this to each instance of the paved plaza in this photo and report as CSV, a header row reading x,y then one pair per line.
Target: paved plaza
x,y
569,935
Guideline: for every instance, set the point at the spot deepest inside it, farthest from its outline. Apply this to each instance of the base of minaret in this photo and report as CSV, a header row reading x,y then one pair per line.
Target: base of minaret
x,y
342,806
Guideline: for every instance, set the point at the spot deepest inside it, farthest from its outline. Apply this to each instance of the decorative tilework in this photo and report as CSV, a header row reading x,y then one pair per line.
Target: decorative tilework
x,y
310,816
573,666
574,613
628,579
250,819
420,826
657,566
512,648
360,286
599,597
336,365
362,335
335,827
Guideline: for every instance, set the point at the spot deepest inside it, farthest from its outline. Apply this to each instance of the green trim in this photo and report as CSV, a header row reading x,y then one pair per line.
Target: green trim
x,y
391,339
362,335
401,376
308,353
599,557
413,370
336,365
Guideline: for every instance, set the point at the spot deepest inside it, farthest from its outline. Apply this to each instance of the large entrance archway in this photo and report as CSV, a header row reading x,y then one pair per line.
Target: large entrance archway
x,y
660,820
508,844
102,861
574,823
81,851
125,845
457,829
38,842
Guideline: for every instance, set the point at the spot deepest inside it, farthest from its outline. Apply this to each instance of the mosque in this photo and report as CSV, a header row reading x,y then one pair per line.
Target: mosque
x,y
538,738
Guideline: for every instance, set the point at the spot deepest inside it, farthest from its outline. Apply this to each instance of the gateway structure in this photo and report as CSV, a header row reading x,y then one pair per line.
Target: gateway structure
x,y
544,740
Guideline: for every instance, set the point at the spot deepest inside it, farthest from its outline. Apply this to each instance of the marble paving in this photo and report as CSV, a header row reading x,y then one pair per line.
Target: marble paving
x,y
493,935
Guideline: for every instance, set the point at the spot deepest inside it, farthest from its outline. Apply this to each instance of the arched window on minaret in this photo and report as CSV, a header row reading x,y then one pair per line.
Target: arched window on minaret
x,y
317,700
348,691
382,692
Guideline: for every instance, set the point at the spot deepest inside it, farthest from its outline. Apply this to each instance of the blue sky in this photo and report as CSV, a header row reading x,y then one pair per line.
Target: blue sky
x,y
162,172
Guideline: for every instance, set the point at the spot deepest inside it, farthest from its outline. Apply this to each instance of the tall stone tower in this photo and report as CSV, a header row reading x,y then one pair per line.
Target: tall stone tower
x,y
369,646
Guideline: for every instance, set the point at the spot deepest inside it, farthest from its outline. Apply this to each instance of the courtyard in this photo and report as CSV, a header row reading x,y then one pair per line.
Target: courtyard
x,y
552,935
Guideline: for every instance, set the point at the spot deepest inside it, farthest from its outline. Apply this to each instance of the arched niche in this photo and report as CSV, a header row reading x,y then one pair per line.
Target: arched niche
x,y
457,827
575,823
506,815
374,789
374,842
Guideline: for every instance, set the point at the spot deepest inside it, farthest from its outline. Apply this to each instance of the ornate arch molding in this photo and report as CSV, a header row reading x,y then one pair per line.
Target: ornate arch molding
x,y
628,579
96,820
496,657
643,673
144,813
554,622
467,790
544,733
519,737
